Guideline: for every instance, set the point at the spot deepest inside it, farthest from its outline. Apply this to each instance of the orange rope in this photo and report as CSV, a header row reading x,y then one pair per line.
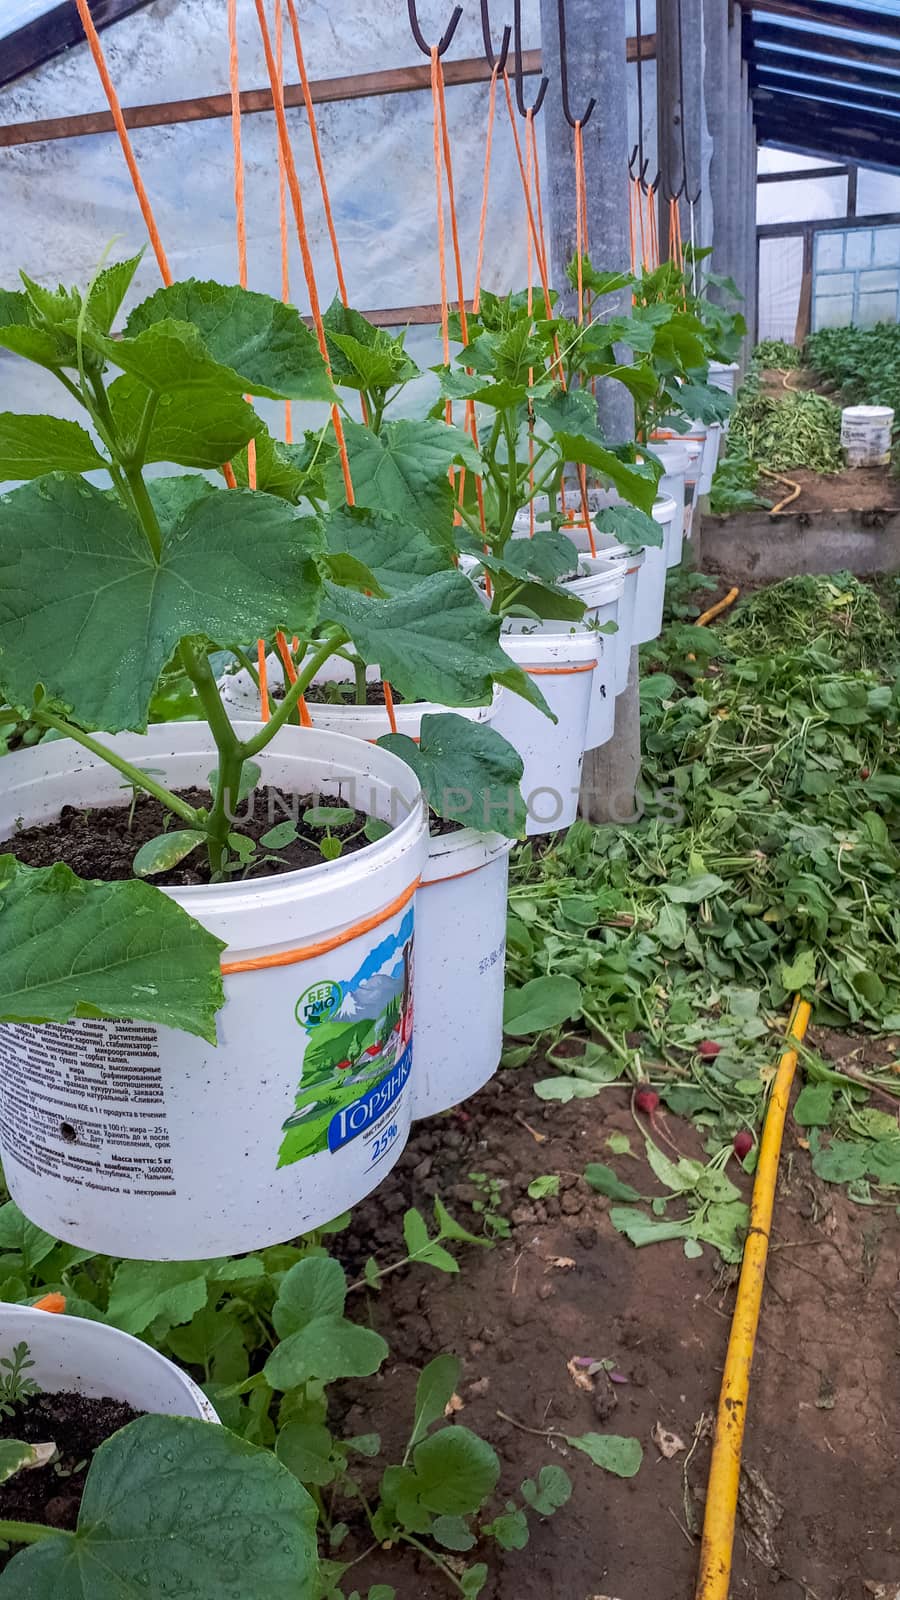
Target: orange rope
x,y
303,237
317,150
291,675
143,198
389,702
234,76
548,309
282,205
482,224
287,958
263,671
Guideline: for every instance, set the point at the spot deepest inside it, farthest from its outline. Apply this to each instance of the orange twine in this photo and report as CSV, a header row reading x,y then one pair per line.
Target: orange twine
x,y
282,206
234,76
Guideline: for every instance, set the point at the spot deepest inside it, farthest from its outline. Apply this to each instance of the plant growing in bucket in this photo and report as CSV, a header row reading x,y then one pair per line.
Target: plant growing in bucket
x,y
113,1476
106,588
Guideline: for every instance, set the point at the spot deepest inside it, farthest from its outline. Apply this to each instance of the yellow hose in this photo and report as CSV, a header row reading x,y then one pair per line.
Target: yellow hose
x,y
720,605
725,1467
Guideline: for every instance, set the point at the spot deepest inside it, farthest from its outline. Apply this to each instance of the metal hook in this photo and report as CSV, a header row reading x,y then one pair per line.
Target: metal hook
x,y
643,179
419,37
684,162
564,73
545,82
494,61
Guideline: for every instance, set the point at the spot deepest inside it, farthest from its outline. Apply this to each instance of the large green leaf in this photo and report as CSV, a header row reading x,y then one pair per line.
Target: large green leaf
x,y
33,445
434,1391
18,334
317,1341
633,528
173,1506
72,948
398,553
469,773
434,642
361,355
403,470
202,429
264,343
87,612
540,1004
452,1474
144,1291
633,483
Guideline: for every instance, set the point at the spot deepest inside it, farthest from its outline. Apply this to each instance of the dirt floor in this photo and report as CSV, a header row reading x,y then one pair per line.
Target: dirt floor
x,y
861,489
820,1516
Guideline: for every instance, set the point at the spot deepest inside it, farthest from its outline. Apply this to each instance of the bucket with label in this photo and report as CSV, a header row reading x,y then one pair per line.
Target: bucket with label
x,y
141,1141
676,460
562,665
866,435
73,1355
460,964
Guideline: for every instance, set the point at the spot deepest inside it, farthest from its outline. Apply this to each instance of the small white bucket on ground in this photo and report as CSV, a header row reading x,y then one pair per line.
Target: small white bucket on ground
x,y
73,1355
866,435
141,1141
562,665
461,959
723,375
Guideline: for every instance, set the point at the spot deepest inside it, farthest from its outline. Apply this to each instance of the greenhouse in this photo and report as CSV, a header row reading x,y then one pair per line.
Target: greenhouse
x,y
449,799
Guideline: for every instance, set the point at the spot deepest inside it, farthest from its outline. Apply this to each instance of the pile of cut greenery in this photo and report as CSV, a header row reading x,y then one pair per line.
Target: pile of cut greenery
x,y
794,428
765,863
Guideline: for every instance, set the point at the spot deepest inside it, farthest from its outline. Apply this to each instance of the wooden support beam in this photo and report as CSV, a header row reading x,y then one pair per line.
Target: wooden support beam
x,y
843,72
356,86
860,135
797,173
844,48
828,14
55,32
790,230
824,94
800,140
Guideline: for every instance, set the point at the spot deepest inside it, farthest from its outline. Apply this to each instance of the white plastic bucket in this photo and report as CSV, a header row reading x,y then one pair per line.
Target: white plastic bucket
x,y
146,1142
562,665
723,375
600,587
866,435
73,1355
710,457
241,698
676,460
651,579
461,959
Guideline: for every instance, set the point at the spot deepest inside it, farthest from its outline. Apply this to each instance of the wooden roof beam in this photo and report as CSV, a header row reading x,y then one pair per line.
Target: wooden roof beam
x,y
828,14
845,72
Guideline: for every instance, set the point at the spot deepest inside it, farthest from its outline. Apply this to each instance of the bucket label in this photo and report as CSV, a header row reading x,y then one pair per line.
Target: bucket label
x,y
357,1054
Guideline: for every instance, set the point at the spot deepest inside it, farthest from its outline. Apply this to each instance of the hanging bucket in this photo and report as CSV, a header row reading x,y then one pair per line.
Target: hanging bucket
x,y
723,375
866,435
73,1355
460,964
240,697
562,665
142,1141
676,460
651,578
601,588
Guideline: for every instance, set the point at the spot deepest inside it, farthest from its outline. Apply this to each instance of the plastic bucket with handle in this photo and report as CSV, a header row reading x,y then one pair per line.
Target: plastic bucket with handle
x,y
676,460
866,435
143,1141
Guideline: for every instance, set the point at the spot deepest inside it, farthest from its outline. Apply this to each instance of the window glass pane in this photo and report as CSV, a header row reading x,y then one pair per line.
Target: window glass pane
x,y
878,191
877,308
858,250
835,282
885,278
829,252
887,247
832,311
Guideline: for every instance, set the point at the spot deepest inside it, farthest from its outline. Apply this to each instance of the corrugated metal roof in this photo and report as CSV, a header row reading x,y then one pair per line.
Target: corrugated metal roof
x,y
826,77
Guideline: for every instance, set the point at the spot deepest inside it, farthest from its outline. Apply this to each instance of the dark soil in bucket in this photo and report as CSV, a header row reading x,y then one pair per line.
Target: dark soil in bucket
x,y
818,1510
344,694
102,843
77,1425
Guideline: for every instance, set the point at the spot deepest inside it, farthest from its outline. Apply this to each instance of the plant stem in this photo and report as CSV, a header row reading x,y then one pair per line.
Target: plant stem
x,y
231,756
28,1532
434,1558
144,507
140,780
359,670
143,438
252,747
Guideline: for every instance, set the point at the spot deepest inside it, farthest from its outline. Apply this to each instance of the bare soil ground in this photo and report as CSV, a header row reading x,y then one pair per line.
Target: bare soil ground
x,y
820,1511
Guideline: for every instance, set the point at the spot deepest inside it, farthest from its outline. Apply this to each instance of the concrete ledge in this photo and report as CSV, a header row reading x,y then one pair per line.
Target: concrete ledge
x,y
754,547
